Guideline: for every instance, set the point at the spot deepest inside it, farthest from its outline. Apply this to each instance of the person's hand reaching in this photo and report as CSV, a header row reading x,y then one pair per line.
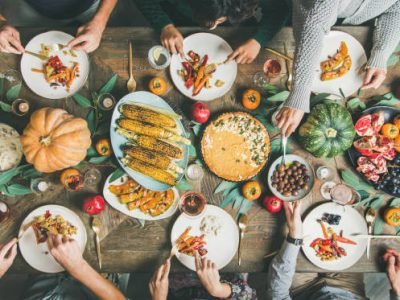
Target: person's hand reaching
x,y
88,37
392,259
246,53
288,119
172,39
373,78
8,252
66,252
9,40
159,283
293,219
209,277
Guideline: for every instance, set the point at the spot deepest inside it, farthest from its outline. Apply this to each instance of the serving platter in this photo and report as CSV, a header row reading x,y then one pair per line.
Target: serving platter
x,y
36,81
136,213
117,140
352,81
38,255
221,248
352,222
217,50
388,113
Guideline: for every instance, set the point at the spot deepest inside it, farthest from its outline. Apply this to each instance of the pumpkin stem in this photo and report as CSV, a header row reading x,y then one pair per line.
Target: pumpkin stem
x,y
330,133
45,140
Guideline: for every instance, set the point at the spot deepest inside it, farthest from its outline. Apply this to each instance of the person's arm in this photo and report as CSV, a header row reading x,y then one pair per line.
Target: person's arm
x,y
392,260
89,35
275,14
67,253
386,36
283,266
10,41
8,252
159,283
311,21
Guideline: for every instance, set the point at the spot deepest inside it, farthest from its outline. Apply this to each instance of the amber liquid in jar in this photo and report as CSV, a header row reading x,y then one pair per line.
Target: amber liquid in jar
x,y
192,203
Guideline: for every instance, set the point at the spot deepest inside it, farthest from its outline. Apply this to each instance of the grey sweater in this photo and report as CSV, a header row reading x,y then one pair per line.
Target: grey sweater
x,y
312,19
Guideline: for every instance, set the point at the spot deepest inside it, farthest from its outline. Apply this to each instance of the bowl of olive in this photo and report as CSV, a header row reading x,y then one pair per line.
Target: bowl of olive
x,y
292,180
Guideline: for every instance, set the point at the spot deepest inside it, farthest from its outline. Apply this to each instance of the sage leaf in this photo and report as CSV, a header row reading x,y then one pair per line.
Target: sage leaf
x,y
104,128
378,226
233,194
31,173
13,92
238,202
5,106
109,86
393,60
192,150
279,97
118,173
91,119
395,202
98,159
183,185
355,104
91,152
353,180
224,185
244,208
82,100
18,190
5,177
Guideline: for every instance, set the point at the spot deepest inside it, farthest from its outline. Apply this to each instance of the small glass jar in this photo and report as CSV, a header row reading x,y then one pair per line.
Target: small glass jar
x,y
159,57
106,101
324,173
20,107
39,185
92,177
192,204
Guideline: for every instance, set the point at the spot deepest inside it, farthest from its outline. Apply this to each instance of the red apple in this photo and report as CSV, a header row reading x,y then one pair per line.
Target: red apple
x,y
272,204
200,112
93,205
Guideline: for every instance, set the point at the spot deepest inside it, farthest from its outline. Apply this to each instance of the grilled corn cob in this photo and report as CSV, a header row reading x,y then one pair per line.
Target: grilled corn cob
x,y
153,144
151,130
153,158
151,171
143,114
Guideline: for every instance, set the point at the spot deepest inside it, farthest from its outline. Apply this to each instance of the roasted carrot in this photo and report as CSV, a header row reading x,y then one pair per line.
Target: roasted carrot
x,y
324,231
183,235
201,84
37,70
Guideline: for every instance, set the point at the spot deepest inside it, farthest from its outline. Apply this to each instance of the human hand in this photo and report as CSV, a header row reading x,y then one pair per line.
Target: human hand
x,y
8,252
293,219
392,259
209,277
88,37
373,78
288,119
158,284
66,252
246,53
9,40
172,39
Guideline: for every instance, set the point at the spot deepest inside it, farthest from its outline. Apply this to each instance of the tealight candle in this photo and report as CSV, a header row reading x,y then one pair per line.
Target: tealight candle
x,y
20,107
194,172
107,101
4,211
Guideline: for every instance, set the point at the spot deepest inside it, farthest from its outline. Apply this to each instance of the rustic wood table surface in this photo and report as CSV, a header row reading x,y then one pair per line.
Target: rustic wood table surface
x,y
126,246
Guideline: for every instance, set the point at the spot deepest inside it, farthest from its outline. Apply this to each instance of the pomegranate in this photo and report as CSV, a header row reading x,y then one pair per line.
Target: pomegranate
x,y
200,112
272,204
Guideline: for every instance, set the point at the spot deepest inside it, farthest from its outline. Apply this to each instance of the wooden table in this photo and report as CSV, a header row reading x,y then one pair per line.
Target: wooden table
x,y
126,246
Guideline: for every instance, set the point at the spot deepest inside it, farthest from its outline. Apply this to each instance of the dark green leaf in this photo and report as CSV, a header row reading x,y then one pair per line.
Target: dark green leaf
x,y
5,106
378,226
391,102
91,119
377,202
244,208
82,100
355,103
360,92
238,202
234,194
353,180
108,87
196,127
363,194
98,159
104,128
118,173
280,97
192,150
314,100
13,92
31,173
184,185
1,86
6,176
225,185
395,202
91,152
270,89
18,190
393,60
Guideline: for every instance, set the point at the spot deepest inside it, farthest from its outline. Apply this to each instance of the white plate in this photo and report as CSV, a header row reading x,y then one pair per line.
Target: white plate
x,y
217,50
117,140
352,222
36,81
350,82
290,158
37,255
136,213
221,248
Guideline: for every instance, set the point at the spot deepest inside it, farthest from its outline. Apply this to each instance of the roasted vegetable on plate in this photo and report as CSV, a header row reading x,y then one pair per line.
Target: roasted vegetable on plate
x,y
187,243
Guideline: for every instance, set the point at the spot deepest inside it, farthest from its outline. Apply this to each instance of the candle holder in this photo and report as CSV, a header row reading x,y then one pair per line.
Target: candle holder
x,y
20,107
106,101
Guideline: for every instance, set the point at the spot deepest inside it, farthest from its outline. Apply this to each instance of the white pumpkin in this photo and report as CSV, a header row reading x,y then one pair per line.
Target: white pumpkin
x,y
10,148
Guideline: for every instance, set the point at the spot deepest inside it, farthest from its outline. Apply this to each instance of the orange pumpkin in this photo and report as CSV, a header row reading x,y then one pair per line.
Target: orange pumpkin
x,y
55,140
158,86
397,121
390,130
103,147
251,190
392,216
397,143
251,99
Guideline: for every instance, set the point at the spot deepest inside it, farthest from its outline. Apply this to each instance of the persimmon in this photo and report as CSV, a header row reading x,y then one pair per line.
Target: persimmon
x,y
72,179
158,86
103,147
392,216
397,143
396,121
251,190
251,99
390,130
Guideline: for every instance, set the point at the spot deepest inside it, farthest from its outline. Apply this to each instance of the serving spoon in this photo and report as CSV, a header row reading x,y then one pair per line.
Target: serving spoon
x,y
131,84
243,221
96,226
370,217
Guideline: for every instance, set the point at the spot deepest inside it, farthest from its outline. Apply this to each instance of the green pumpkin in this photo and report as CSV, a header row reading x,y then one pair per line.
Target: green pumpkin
x,y
328,131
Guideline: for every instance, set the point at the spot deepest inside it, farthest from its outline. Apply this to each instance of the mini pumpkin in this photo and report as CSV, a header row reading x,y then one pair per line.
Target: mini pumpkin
x,y
55,140
158,86
251,99
392,216
390,130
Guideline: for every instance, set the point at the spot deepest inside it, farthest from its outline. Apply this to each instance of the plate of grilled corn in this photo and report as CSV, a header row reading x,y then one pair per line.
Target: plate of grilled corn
x,y
149,141
127,196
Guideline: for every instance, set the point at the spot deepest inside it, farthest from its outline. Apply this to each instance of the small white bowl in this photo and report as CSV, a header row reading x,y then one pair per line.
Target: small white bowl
x,y
163,51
